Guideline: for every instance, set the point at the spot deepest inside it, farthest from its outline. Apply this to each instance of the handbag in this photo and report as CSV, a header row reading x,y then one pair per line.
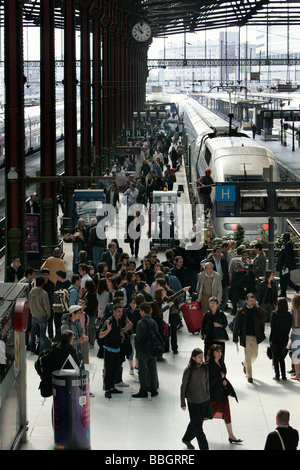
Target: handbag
x,y
269,352
68,238
78,236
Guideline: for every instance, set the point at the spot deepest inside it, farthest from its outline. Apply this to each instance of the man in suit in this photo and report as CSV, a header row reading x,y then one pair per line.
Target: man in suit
x,y
111,257
284,437
32,206
221,266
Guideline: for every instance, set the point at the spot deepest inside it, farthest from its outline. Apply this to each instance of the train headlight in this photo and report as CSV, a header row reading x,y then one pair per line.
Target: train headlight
x,y
232,227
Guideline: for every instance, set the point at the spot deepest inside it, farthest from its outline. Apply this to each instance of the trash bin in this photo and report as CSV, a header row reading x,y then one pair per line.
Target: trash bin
x,y
71,409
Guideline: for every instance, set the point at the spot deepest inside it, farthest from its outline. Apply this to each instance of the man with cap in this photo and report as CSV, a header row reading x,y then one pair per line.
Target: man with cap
x,y
286,263
205,184
71,321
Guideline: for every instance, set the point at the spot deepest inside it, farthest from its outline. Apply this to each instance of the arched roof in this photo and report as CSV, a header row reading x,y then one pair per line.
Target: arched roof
x,y
178,16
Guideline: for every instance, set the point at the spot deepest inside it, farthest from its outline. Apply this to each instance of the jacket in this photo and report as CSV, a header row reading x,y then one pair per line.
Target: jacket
x,y
13,275
53,263
73,295
59,354
67,324
182,274
216,387
262,291
289,436
286,257
260,262
224,266
208,329
216,290
106,257
281,324
239,329
39,303
95,240
142,327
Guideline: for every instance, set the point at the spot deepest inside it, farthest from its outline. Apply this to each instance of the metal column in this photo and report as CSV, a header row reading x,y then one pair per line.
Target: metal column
x,y
70,108
86,161
14,131
48,128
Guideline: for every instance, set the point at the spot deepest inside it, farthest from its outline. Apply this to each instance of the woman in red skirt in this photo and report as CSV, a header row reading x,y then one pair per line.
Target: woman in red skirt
x,y
220,388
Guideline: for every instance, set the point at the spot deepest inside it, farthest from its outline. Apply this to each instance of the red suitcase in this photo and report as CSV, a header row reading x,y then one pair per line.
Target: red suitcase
x,y
192,315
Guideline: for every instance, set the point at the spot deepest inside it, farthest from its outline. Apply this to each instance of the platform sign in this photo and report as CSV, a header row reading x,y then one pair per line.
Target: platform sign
x,y
225,200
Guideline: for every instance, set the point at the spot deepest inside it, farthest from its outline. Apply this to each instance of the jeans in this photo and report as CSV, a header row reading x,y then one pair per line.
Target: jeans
x,y
147,364
194,428
38,328
97,253
225,297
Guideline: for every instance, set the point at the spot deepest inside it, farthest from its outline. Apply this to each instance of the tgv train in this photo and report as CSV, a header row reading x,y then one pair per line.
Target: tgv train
x,y
33,129
232,158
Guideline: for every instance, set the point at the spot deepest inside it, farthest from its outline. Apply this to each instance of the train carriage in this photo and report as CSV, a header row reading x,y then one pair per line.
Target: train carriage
x,y
233,157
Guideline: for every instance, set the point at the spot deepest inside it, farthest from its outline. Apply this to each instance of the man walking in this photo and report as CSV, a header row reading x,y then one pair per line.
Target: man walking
x,y
249,329
286,263
40,310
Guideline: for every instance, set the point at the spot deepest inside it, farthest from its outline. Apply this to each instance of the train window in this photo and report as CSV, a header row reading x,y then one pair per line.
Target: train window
x,y
207,156
287,200
241,178
254,201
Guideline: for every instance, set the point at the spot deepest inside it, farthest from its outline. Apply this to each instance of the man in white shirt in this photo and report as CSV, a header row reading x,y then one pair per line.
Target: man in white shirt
x,y
83,270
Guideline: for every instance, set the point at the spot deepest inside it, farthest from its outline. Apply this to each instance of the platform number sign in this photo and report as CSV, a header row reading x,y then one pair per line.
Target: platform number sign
x,y
225,200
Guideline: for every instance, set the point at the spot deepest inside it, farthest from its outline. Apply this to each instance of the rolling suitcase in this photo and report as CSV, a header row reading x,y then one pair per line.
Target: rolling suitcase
x,y
192,315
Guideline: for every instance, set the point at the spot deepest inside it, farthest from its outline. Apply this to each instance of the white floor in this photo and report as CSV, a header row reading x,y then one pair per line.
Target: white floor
x,y
127,424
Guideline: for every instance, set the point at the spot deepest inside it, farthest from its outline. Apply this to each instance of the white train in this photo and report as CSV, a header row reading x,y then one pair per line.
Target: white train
x,y
232,158
32,116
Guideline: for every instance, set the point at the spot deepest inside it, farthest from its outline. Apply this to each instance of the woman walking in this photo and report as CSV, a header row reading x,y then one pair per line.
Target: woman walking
x,y
213,328
195,389
281,323
220,388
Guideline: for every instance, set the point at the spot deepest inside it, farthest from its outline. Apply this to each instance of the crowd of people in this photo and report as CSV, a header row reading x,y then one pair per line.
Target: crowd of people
x,y
113,298
114,304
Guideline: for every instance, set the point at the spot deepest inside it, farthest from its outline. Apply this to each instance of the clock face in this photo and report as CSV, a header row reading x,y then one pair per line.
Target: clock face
x,y
141,31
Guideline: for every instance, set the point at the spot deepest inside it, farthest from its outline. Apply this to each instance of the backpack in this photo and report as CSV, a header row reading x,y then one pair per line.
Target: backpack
x,y
60,301
154,345
43,366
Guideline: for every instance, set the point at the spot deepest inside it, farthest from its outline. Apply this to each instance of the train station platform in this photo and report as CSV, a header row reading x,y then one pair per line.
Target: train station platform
x,y
285,156
126,424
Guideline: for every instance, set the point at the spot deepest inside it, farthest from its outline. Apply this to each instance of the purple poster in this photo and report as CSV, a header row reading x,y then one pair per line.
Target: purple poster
x,y
33,233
